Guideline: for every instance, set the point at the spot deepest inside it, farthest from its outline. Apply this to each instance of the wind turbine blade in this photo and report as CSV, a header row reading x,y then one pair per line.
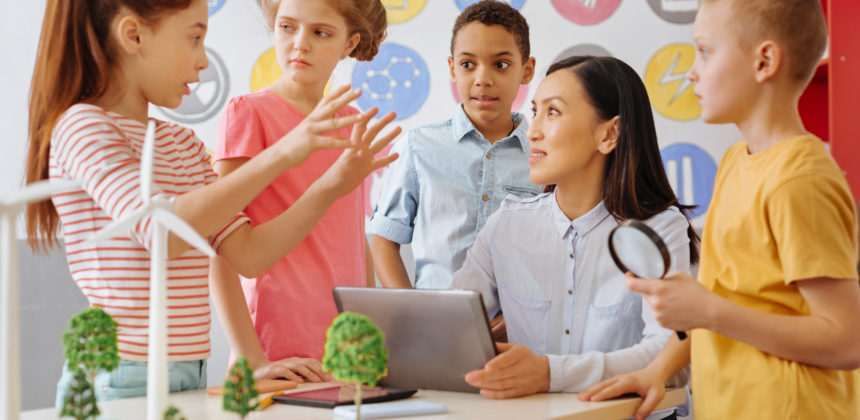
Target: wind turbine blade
x,y
42,190
175,224
120,227
146,162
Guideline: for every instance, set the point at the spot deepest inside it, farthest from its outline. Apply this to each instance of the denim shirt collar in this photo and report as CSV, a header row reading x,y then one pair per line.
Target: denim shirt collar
x,y
582,224
462,127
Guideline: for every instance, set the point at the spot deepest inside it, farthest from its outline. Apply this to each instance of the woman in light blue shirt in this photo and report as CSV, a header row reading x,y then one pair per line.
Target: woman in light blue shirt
x,y
544,261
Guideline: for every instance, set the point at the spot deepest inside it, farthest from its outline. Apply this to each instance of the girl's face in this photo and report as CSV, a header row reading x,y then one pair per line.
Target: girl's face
x,y
310,38
567,138
173,56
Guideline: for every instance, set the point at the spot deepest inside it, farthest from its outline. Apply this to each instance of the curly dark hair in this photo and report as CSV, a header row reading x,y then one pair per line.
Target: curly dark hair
x,y
492,12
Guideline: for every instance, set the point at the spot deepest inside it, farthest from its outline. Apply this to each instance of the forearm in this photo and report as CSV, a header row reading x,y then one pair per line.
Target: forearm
x,y
368,260
229,301
208,208
388,263
674,357
252,251
575,372
812,339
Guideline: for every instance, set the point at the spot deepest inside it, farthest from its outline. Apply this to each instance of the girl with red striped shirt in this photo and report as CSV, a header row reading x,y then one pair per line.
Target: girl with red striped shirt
x,y
99,66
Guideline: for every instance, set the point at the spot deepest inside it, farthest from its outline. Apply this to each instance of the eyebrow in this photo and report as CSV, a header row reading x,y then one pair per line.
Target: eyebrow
x,y
550,99
200,25
497,55
282,18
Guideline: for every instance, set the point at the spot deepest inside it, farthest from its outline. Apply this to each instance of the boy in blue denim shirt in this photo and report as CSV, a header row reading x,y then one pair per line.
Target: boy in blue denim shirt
x,y
452,175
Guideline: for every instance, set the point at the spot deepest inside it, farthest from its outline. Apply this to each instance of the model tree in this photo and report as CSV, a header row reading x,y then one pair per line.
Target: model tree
x,y
240,394
355,352
90,346
173,413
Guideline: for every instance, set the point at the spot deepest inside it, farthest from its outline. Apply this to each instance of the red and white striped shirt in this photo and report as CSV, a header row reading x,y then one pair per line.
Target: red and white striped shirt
x,y
102,150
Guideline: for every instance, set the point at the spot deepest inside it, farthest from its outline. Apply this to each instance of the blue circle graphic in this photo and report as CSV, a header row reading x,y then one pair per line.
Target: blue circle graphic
x,y
215,5
691,171
396,80
516,4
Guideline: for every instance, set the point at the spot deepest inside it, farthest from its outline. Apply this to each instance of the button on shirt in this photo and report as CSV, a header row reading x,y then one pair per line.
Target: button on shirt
x,y
562,295
444,186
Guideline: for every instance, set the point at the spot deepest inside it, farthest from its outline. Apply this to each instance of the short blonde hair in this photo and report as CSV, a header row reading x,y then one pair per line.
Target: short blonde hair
x,y
368,18
798,26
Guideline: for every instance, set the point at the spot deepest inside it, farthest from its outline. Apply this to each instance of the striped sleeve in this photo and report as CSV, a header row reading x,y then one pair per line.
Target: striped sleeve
x,y
91,149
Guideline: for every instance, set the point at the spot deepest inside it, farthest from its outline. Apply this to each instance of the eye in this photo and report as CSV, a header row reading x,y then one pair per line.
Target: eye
x,y
196,39
467,64
703,52
322,33
286,27
502,65
534,112
552,112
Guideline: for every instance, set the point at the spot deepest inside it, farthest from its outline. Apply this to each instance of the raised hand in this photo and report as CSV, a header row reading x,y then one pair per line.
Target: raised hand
x,y
310,134
357,162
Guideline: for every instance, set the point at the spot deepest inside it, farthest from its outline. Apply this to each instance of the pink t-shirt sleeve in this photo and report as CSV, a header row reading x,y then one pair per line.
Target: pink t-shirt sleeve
x,y
240,133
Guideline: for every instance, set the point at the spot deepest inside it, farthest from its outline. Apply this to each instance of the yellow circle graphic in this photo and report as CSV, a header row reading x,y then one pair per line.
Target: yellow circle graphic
x,y
665,78
402,10
266,71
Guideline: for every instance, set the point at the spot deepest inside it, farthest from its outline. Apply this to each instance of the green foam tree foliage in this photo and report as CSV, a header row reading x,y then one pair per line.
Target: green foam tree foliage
x,y
240,393
355,352
89,346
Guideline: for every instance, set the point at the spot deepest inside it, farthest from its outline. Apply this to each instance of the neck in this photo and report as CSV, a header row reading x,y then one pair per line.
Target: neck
x,y
302,96
580,194
126,101
495,129
773,119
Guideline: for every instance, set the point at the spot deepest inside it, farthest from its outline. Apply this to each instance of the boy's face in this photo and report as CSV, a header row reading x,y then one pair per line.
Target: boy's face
x,y
488,69
724,70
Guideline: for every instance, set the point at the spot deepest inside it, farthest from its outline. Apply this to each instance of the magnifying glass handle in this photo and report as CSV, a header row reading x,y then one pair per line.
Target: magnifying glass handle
x,y
681,335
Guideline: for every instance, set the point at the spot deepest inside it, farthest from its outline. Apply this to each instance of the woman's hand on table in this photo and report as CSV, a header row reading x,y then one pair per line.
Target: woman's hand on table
x,y
296,369
515,372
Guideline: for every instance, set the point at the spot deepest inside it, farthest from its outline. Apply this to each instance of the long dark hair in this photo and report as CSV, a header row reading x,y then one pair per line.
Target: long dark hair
x,y
635,185
73,64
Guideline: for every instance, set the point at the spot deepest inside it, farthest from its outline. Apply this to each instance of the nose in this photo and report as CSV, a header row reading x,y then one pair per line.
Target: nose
x,y
301,41
203,62
483,76
692,74
535,132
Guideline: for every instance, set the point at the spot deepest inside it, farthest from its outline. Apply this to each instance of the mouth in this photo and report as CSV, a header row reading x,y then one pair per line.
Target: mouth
x,y
298,62
536,156
190,85
484,100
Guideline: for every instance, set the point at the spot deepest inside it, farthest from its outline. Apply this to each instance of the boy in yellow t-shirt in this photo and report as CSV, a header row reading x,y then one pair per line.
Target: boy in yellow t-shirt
x,y
774,315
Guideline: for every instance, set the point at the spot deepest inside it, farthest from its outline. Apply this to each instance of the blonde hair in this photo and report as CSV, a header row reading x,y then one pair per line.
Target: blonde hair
x,y
798,26
365,17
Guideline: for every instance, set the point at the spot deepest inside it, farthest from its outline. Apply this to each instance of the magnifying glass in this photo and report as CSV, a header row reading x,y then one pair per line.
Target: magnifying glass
x,y
636,248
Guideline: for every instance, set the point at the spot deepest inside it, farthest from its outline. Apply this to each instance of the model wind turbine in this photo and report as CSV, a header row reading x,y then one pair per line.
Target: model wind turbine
x,y
163,222
10,357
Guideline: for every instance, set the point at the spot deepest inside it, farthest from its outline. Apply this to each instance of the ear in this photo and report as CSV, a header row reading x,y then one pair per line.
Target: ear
x,y
451,69
129,30
528,71
351,43
768,60
608,135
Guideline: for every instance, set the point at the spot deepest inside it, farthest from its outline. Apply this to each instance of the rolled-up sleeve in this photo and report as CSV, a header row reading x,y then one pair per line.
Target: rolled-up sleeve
x,y
394,216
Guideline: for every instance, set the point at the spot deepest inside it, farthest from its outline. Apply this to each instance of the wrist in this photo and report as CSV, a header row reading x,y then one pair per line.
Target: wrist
x,y
547,380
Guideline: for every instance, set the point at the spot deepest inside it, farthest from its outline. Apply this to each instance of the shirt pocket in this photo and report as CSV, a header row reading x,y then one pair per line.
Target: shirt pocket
x,y
614,327
521,191
525,319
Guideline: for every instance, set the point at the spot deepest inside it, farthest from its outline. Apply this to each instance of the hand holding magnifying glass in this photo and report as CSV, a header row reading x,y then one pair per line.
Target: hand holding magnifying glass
x,y
636,248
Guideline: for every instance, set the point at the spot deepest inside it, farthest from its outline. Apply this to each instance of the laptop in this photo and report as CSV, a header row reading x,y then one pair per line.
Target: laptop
x,y
434,337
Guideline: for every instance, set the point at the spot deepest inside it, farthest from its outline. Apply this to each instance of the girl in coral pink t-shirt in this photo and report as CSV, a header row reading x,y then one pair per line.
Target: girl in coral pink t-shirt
x,y
291,303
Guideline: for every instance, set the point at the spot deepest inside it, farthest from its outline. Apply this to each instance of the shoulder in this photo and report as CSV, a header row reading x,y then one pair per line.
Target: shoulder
x,y
513,203
85,113
180,133
669,222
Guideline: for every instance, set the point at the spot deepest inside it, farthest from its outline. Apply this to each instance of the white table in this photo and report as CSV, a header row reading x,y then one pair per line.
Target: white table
x,y
197,405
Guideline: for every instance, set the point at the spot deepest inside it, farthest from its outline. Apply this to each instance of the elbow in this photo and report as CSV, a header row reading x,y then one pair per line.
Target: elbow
x,y
250,271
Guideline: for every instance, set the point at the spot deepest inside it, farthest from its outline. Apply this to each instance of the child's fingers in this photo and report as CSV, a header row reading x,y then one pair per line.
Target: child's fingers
x,y
360,126
328,108
379,124
334,124
380,144
644,287
381,163
331,143
652,398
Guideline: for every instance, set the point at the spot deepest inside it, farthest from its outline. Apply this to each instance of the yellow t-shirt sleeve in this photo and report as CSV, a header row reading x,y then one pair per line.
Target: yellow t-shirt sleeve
x,y
814,224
